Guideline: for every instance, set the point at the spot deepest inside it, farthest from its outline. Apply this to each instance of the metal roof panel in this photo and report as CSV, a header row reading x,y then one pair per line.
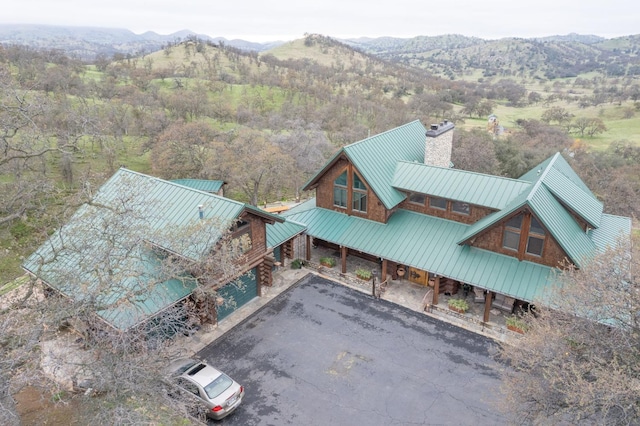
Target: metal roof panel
x,y
460,185
428,243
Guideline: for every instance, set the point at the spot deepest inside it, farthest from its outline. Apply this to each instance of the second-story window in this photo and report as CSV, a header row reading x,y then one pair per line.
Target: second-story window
x,y
512,229
340,191
241,237
524,233
359,194
438,203
535,239
417,198
460,207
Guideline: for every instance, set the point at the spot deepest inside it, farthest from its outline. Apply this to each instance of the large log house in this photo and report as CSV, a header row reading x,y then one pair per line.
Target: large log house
x,y
394,198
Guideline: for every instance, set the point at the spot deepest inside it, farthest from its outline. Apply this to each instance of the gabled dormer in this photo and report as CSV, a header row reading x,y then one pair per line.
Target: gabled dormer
x,y
545,223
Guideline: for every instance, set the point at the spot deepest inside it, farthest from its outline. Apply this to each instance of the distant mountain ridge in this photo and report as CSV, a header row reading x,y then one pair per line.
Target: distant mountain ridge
x,y
451,55
90,42
455,55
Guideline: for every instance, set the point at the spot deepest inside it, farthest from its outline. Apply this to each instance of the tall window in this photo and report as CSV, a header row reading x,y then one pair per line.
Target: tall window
x,y
359,194
535,240
340,191
512,229
241,237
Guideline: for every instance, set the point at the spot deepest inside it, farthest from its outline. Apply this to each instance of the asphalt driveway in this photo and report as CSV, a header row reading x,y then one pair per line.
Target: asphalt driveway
x,y
324,354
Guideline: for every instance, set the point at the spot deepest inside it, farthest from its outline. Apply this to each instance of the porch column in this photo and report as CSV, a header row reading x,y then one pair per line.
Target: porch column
x,y
383,276
487,306
436,289
343,258
308,254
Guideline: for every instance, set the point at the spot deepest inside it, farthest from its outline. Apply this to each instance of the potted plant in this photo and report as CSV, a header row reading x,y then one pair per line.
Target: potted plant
x,y
363,274
458,305
328,261
517,324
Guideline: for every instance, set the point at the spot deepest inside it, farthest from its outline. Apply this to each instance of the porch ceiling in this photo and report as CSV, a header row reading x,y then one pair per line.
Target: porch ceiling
x,y
429,243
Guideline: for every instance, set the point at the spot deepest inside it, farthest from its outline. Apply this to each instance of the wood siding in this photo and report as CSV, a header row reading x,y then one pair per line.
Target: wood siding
x,y
552,253
324,193
475,212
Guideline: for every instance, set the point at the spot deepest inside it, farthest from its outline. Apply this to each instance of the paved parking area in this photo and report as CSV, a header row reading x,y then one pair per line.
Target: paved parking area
x,y
322,353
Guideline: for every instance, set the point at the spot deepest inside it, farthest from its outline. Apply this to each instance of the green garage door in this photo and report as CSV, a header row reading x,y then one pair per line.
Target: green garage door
x,y
277,253
235,296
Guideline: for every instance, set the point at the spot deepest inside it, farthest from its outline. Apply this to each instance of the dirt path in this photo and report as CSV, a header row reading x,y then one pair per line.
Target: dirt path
x,y
37,408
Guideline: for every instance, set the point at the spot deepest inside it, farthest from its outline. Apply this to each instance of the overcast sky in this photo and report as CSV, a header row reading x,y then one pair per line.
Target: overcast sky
x,y
269,20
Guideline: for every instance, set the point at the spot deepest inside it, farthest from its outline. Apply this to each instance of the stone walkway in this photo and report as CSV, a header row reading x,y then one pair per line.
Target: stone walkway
x,y
412,296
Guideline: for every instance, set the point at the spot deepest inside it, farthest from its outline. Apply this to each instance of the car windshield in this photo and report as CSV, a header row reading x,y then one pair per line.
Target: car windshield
x,y
219,385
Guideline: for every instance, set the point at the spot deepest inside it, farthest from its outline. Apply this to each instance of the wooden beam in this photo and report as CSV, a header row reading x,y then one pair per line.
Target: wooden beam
x,y
436,289
259,280
343,258
308,247
487,305
383,276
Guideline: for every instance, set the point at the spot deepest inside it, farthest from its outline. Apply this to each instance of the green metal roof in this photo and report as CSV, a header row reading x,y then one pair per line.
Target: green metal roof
x,y
130,210
429,243
278,233
147,295
169,209
201,184
611,229
460,185
558,176
126,283
554,188
554,217
376,157
561,225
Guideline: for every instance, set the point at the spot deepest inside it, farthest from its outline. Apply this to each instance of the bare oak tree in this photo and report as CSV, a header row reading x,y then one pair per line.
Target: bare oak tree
x,y
111,263
578,363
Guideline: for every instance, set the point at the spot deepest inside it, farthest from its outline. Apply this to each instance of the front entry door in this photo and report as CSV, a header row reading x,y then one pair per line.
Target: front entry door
x,y
418,276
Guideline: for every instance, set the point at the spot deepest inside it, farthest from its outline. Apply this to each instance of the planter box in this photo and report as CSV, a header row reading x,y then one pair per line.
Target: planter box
x,y
516,329
363,278
454,309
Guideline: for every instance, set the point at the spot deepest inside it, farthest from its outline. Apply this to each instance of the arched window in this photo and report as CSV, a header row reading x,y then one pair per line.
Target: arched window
x,y
340,191
359,194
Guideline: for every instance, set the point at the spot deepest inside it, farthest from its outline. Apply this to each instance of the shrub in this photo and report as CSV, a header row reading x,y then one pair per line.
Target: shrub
x,y
516,322
328,261
296,264
459,304
364,274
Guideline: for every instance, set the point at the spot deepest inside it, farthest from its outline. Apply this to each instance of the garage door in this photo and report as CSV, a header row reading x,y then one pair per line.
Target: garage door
x,y
235,296
277,253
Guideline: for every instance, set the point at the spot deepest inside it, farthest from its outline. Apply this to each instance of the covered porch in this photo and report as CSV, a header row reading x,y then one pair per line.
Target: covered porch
x,y
414,290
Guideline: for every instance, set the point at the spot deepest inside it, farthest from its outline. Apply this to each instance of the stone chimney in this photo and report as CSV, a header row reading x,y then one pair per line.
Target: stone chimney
x,y
438,144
